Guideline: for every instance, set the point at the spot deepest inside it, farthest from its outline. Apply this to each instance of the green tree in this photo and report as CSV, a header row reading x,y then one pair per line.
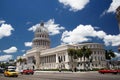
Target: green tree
x,y
109,54
2,65
85,53
73,54
88,54
22,60
79,53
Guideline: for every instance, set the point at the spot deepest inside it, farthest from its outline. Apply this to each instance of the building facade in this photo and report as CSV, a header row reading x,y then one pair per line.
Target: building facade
x,y
41,56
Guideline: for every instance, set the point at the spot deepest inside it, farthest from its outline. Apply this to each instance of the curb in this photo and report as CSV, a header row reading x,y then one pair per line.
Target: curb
x,y
64,72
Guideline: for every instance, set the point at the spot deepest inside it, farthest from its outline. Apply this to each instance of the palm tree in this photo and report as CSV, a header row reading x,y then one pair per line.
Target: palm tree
x,y
73,54
109,54
79,54
24,60
20,60
85,53
88,53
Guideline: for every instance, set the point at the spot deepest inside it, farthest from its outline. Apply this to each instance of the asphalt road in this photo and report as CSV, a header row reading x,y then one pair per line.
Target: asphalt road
x,y
64,76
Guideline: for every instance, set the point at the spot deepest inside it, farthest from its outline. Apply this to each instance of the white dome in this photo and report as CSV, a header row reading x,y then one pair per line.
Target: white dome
x,y
41,29
41,39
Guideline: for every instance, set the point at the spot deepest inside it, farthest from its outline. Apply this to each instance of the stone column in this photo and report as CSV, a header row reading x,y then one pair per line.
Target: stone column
x,y
67,57
57,58
57,62
37,58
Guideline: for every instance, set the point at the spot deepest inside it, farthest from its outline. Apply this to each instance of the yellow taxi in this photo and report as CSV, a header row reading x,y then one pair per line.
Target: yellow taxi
x,y
10,72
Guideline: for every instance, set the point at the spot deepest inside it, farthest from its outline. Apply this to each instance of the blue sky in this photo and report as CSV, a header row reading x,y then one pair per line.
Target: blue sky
x,y
68,21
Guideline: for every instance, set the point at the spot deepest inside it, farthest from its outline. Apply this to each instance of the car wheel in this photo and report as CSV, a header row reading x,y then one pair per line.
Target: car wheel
x,y
115,73
102,73
5,75
21,72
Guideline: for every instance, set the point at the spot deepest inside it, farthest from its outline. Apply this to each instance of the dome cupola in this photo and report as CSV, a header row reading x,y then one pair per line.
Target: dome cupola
x,y
41,39
41,29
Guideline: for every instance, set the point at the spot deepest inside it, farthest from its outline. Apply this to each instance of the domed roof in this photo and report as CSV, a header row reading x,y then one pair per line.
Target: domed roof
x,y
41,39
41,29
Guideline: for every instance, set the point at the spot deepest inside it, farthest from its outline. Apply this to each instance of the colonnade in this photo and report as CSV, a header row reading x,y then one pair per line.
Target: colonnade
x,y
48,59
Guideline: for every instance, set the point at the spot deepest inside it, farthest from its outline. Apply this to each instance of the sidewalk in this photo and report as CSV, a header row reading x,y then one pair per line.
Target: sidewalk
x,y
65,72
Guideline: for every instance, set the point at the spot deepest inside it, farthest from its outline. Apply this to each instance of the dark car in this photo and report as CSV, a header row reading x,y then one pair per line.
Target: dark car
x,y
108,71
1,70
28,71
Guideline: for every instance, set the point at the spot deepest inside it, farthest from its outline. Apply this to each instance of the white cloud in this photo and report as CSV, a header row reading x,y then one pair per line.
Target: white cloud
x,y
81,33
85,33
28,44
113,6
117,54
53,28
12,49
100,34
2,21
5,57
5,30
113,40
22,50
75,5
33,28
24,54
50,25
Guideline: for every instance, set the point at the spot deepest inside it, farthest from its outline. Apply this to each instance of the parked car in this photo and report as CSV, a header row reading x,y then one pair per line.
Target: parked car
x,y
118,71
10,72
28,71
1,70
108,71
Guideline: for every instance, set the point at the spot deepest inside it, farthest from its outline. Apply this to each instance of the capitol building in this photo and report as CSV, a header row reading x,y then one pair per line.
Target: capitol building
x,y
41,56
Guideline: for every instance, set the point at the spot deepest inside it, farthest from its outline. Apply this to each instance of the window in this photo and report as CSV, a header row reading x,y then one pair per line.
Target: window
x,y
59,59
64,57
96,65
94,52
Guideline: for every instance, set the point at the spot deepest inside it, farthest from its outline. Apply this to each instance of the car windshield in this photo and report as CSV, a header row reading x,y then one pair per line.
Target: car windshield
x,y
11,70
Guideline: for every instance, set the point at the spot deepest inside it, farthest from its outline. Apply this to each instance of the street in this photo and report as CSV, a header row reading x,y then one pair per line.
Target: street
x,y
64,76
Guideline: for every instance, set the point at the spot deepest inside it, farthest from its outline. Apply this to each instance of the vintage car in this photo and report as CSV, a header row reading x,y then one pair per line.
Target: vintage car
x,y
118,71
28,71
10,72
102,71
